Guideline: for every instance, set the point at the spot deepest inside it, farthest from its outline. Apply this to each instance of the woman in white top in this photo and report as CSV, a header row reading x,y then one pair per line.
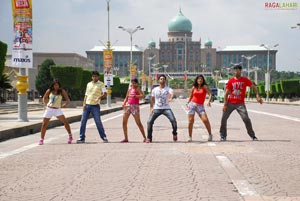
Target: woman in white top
x,y
53,97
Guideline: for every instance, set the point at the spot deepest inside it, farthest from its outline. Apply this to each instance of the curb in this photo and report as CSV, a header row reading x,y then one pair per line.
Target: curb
x,y
36,127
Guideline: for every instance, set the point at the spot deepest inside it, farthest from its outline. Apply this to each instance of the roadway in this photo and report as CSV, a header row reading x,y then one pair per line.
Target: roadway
x,y
238,169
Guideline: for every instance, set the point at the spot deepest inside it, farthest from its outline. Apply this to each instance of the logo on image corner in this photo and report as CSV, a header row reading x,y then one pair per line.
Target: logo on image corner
x,y
289,5
23,60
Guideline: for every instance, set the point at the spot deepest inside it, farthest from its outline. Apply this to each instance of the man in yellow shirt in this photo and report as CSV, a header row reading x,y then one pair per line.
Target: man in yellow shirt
x,y
95,91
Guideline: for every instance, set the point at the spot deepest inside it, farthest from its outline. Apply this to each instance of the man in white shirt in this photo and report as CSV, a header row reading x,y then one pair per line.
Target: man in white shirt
x,y
160,97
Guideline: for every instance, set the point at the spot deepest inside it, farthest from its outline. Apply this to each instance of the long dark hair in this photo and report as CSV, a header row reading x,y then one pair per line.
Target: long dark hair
x,y
52,86
195,83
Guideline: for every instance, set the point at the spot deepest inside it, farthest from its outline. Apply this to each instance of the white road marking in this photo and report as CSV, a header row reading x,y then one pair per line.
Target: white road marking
x,y
242,185
272,114
211,144
276,115
31,146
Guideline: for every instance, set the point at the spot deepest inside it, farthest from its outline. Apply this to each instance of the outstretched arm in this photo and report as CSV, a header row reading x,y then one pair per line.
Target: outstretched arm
x,y
258,98
126,99
211,98
65,95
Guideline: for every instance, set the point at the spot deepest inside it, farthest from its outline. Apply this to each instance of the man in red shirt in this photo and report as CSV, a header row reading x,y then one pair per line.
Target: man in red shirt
x,y
234,100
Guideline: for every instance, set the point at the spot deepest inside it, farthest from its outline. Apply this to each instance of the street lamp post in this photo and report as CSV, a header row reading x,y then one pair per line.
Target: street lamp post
x,y
149,71
267,75
217,77
108,60
131,31
248,71
255,74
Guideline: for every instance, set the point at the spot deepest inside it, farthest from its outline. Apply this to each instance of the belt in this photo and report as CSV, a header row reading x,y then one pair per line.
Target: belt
x,y
53,107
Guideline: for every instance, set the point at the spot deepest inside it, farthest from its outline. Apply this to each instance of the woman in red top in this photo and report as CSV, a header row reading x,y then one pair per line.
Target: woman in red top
x,y
131,105
196,104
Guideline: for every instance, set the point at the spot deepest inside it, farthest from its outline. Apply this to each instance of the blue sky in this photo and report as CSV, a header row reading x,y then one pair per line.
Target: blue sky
x,y
78,25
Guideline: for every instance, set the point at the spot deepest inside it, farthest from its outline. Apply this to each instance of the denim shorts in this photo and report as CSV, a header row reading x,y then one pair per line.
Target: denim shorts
x,y
194,107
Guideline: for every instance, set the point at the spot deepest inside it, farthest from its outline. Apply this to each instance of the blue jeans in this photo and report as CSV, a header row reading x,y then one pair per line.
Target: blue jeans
x,y
242,110
156,113
95,110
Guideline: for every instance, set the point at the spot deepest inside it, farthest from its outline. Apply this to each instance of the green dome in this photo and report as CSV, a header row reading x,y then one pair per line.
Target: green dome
x,y
180,24
151,43
208,43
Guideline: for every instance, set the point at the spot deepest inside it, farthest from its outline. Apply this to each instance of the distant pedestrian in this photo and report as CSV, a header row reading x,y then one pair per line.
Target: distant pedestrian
x,y
196,104
131,105
234,100
95,91
159,105
52,100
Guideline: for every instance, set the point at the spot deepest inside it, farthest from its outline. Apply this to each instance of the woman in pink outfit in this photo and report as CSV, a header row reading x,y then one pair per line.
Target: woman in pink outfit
x,y
131,105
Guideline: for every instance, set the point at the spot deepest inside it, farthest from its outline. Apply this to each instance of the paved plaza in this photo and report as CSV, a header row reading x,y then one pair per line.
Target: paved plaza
x,y
238,169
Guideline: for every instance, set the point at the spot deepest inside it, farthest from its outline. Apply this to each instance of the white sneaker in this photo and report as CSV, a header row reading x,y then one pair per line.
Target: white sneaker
x,y
190,139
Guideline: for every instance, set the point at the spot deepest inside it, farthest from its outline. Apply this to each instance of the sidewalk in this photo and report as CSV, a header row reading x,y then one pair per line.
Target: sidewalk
x,y
295,103
10,127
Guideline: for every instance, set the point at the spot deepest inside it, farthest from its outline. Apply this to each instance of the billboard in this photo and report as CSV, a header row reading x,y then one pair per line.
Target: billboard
x,y
22,24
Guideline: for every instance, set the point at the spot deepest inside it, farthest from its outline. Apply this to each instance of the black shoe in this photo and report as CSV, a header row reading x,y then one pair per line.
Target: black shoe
x,y
254,138
223,139
175,138
80,141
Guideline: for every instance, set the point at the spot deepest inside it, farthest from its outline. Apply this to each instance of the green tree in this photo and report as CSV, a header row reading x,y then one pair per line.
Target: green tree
x,y
44,78
70,78
4,85
4,79
3,50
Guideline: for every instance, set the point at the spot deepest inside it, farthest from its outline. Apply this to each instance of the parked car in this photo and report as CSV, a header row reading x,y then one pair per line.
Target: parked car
x,y
182,97
147,98
214,92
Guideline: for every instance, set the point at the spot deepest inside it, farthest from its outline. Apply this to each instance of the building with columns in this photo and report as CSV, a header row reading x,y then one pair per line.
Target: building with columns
x,y
181,54
234,54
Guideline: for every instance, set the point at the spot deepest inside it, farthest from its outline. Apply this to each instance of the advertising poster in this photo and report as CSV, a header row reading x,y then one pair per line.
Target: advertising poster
x,y
22,24
108,61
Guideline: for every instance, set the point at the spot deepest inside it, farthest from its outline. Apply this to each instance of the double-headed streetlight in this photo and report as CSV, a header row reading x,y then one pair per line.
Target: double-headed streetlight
x,y
150,59
131,31
248,71
295,27
165,66
267,75
248,63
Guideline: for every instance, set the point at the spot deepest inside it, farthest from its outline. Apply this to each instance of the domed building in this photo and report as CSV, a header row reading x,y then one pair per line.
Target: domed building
x,y
208,43
180,52
208,56
151,44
